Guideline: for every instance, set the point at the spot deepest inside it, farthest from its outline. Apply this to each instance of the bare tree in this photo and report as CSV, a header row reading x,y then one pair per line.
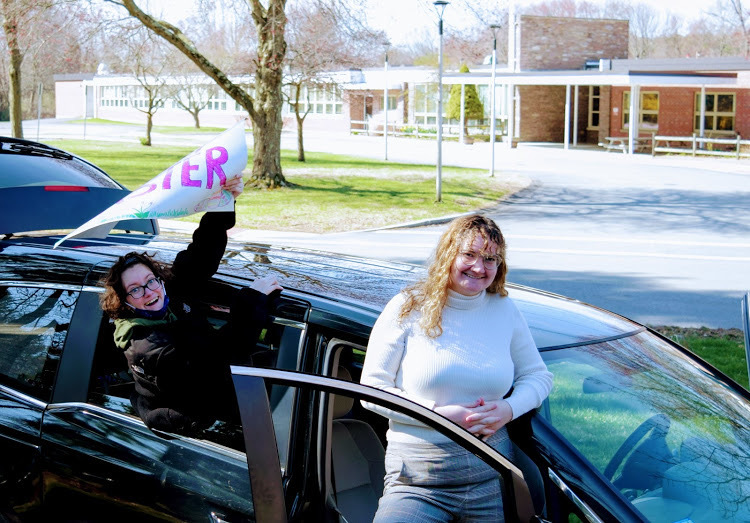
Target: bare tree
x,y
36,34
323,36
190,93
264,105
12,14
644,27
736,16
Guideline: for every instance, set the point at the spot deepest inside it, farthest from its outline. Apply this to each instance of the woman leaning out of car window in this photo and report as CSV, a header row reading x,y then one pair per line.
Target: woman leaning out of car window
x,y
179,362
456,343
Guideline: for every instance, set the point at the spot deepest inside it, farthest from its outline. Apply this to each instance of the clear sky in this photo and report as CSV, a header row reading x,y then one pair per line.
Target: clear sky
x,y
405,20
411,20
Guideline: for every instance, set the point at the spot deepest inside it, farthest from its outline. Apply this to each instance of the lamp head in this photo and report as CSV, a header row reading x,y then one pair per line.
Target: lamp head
x,y
440,7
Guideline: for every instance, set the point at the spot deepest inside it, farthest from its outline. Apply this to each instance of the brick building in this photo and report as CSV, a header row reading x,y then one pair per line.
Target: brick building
x,y
570,81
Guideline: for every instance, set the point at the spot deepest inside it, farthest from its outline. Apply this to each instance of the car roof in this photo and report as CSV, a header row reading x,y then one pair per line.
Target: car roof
x,y
335,283
44,188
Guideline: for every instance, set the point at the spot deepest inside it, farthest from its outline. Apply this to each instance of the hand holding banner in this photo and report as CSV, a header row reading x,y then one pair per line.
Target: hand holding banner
x,y
194,184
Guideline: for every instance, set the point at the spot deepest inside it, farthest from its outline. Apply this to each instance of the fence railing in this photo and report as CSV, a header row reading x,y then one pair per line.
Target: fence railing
x,y
450,129
695,145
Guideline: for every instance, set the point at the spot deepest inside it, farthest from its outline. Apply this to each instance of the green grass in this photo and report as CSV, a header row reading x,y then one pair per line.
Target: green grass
x,y
164,129
330,192
722,348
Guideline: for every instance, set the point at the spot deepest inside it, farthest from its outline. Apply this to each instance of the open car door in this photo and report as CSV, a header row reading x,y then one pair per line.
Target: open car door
x,y
251,385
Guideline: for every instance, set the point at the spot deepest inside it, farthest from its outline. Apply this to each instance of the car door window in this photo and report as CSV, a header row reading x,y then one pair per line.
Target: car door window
x,y
33,325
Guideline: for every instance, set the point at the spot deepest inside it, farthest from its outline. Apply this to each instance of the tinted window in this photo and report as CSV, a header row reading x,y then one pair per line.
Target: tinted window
x,y
672,438
23,170
33,326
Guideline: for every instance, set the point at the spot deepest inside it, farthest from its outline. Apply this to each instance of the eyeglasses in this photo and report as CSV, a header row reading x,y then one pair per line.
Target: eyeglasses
x,y
140,290
470,258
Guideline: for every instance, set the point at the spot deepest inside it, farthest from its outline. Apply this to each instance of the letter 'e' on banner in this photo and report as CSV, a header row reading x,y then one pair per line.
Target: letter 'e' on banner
x,y
192,185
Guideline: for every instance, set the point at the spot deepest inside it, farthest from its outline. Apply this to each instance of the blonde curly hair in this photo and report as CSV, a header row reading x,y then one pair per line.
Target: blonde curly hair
x,y
430,294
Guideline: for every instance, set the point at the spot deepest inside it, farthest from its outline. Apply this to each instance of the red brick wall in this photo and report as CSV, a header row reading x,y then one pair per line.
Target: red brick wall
x,y
567,43
676,110
542,113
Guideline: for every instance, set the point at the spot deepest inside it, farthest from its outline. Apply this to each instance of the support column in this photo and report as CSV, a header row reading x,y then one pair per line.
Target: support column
x,y
635,117
566,141
575,115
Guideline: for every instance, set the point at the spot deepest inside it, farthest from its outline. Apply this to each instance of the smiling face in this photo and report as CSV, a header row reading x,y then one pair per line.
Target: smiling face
x,y
137,276
470,280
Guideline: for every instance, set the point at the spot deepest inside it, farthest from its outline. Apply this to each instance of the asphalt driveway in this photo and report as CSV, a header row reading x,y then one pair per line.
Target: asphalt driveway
x,y
665,240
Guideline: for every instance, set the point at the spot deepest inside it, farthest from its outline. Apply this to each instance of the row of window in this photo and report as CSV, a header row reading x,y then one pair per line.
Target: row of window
x,y
718,115
318,100
718,111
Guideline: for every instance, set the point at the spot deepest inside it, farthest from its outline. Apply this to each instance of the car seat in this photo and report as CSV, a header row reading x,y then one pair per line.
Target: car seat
x,y
358,460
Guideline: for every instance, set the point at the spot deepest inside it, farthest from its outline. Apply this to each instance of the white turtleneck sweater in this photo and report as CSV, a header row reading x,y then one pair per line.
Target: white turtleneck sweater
x,y
485,349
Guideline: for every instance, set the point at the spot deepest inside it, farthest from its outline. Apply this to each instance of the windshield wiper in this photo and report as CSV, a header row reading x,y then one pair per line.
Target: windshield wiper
x,y
34,150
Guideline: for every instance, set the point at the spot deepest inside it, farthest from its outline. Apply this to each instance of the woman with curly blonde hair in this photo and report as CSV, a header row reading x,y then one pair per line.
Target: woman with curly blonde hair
x,y
455,343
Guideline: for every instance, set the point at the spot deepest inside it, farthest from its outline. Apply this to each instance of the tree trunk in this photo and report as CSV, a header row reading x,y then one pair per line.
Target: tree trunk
x,y
195,118
14,70
300,144
268,103
149,126
300,122
265,108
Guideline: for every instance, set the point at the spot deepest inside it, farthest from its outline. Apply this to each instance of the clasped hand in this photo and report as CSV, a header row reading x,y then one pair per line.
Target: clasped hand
x,y
481,418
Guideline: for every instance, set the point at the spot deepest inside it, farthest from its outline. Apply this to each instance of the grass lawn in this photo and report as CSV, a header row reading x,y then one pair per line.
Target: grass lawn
x,y
165,129
722,348
331,193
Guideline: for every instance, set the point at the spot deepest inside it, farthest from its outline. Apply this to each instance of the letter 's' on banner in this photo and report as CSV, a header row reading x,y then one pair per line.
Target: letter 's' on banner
x,y
194,184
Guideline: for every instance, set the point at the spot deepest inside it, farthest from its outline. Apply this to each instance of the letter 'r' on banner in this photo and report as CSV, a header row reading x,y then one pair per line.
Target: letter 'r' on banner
x,y
192,185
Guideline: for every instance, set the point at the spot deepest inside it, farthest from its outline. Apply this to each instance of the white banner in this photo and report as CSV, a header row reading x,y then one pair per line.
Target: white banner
x,y
192,185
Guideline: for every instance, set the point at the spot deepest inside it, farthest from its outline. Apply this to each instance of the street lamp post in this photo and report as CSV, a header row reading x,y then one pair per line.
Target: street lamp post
x,y
494,28
440,8
386,45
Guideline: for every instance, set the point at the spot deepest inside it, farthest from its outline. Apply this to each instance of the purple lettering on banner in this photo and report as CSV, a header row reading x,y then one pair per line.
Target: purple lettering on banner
x,y
186,180
167,181
213,165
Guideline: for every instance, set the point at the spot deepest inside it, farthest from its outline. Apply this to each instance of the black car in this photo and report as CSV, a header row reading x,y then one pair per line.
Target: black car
x,y
635,429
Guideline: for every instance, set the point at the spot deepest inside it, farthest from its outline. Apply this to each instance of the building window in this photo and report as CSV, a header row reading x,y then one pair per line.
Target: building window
x,y
425,104
594,101
113,96
649,115
719,112
325,99
392,102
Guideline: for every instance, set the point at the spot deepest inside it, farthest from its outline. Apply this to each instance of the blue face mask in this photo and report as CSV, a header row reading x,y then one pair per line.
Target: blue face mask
x,y
149,314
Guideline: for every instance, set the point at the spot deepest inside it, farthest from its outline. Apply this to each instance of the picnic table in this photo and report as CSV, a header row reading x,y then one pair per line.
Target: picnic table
x,y
620,143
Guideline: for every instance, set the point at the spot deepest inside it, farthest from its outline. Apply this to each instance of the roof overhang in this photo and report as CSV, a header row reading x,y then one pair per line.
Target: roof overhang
x,y
595,78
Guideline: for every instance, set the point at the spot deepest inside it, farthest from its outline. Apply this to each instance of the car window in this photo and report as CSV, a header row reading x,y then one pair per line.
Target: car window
x,y
33,325
670,436
21,166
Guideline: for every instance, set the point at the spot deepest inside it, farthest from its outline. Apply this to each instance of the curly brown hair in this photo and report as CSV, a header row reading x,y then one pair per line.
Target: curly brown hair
x,y
430,294
113,299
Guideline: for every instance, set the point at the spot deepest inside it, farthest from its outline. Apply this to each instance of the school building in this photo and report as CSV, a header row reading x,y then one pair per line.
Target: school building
x,y
566,80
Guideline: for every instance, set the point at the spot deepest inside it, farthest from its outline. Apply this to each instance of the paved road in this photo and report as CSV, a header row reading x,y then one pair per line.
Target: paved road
x,y
661,240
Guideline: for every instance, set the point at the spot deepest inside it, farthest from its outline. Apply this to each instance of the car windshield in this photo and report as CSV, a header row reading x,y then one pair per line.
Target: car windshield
x,y
55,168
672,437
